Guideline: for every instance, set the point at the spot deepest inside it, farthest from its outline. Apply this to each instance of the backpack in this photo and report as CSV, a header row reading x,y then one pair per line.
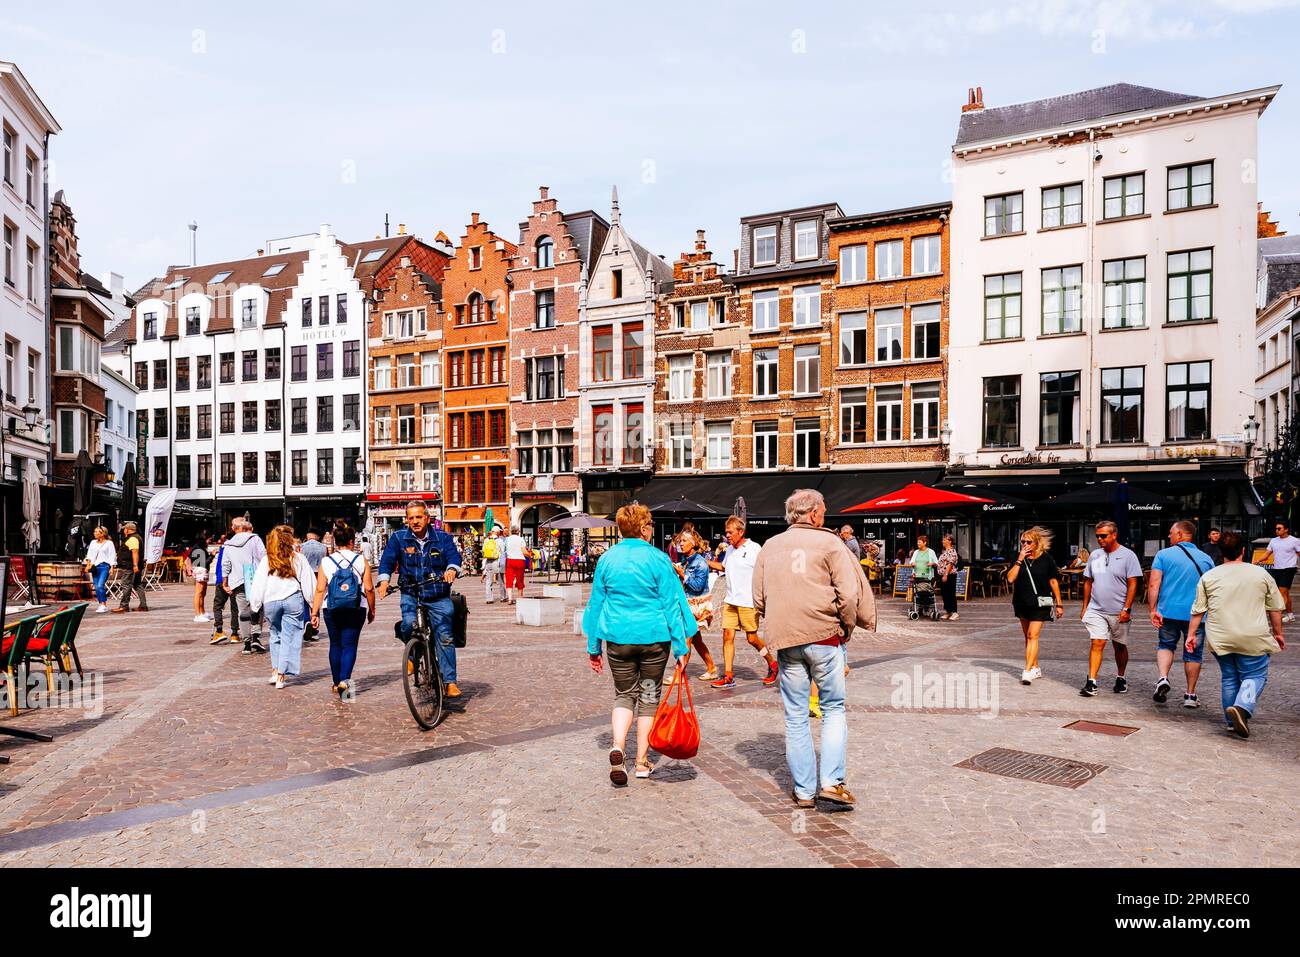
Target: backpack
x,y
344,587
490,550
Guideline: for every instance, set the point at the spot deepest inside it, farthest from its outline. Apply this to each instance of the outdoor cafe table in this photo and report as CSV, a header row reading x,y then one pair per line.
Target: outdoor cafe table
x,y
10,618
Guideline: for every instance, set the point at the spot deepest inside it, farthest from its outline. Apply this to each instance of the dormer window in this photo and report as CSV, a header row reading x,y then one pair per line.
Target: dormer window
x,y
177,283
545,252
373,255
192,321
151,325
249,313
275,269
805,239
765,245
221,276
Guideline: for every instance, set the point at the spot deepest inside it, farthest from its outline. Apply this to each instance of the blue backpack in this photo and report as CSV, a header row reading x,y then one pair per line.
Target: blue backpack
x,y
345,586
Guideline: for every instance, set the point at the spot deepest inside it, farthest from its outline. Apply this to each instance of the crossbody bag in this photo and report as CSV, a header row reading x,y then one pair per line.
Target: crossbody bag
x,y
1044,601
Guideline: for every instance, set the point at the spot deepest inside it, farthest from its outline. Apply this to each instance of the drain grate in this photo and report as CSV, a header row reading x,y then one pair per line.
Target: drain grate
x,y
1101,727
1027,766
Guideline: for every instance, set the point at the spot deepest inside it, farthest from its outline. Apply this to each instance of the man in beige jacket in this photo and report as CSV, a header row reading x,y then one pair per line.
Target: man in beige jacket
x,y
811,596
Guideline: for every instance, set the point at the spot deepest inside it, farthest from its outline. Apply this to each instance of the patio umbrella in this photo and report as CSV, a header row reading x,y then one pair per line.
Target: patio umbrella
x,y
489,522
32,505
83,483
578,520
740,510
684,506
916,497
130,497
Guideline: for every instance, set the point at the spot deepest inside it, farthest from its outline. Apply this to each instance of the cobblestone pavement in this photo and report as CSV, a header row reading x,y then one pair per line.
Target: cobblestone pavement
x,y
195,760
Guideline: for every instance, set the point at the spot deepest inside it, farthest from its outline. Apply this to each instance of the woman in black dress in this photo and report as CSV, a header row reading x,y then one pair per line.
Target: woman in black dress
x,y
1033,578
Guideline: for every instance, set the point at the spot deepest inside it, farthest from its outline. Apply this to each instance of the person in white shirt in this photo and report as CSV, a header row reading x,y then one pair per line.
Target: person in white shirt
x,y
101,557
516,550
737,558
283,586
1284,548
492,565
349,603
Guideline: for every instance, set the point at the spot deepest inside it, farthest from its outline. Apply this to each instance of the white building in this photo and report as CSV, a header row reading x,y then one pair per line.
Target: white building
x,y
1103,294
252,380
117,433
616,385
24,295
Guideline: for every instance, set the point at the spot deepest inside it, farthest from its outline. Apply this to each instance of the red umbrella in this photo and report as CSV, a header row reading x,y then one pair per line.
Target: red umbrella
x,y
914,497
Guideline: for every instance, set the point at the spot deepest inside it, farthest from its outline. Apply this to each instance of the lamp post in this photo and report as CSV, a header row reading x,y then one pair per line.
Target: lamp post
x,y
945,440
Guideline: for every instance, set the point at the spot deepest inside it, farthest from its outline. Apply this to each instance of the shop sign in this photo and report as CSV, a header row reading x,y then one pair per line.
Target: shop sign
x,y
998,507
1030,458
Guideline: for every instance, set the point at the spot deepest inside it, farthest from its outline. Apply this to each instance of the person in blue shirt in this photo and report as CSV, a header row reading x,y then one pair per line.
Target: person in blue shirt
x,y
1175,574
415,553
637,610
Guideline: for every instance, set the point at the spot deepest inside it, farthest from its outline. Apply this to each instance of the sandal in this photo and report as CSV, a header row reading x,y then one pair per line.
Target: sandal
x,y
710,675
643,770
617,772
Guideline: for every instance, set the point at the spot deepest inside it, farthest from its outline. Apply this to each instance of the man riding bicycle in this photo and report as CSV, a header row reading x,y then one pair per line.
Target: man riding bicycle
x,y
426,561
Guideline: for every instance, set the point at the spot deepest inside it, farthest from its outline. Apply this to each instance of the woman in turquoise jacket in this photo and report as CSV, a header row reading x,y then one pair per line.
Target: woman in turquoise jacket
x,y
638,610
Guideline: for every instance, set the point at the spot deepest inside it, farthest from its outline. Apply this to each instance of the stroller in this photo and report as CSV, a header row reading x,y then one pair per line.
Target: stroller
x,y
923,600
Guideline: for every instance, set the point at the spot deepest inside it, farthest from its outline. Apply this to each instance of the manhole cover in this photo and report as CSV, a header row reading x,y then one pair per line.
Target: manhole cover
x,y
1100,727
1027,766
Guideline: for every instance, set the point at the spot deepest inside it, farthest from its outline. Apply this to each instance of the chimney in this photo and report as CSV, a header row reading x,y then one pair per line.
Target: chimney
x,y
974,99
473,219
405,262
699,241
401,229
545,191
261,251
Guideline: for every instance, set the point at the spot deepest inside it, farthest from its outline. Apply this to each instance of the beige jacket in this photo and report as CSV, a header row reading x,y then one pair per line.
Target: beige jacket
x,y
808,588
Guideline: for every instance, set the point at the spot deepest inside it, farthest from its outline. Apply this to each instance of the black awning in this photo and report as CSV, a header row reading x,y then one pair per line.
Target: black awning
x,y
845,489
765,493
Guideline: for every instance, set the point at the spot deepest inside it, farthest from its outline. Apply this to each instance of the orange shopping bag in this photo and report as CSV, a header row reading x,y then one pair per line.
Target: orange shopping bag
x,y
676,730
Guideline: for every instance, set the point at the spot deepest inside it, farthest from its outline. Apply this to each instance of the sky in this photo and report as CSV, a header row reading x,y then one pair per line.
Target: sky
x,y
262,120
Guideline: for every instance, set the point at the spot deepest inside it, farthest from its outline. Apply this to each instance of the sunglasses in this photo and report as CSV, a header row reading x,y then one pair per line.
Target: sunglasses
x,y
1101,535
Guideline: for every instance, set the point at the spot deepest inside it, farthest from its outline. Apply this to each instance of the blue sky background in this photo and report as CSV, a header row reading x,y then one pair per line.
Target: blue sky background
x,y
266,119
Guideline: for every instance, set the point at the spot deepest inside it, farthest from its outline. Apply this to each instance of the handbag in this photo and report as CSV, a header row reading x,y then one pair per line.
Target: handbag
x,y
1044,601
675,732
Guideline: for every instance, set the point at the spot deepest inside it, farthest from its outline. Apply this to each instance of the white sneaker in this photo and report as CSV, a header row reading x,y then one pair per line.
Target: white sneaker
x,y
1026,677
102,609
1036,672
954,616
201,619
279,681
1288,617
275,677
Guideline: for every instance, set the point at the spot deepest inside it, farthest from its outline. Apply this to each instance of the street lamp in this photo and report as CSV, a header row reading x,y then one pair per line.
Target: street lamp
x,y
945,440
30,414
1250,428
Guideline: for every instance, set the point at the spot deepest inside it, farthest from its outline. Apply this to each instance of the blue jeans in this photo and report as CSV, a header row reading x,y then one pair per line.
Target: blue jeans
x,y
344,627
440,612
1244,677
287,618
798,666
99,575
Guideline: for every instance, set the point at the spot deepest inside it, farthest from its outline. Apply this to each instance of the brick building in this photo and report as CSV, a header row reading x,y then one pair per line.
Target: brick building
x,y
475,318
548,281
405,378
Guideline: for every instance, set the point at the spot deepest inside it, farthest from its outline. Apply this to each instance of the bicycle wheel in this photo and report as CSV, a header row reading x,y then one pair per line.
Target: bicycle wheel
x,y
422,683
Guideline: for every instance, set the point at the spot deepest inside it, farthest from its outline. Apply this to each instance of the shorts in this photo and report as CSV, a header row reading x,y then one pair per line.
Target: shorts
x,y
1100,627
1283,576
1173,635
515,573
738,616
200,576
638,672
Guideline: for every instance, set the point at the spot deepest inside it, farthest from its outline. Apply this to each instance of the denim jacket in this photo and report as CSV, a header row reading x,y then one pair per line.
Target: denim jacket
x,y
415,559
696,582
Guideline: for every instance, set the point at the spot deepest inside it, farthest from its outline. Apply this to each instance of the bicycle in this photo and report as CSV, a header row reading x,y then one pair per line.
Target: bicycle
x,y
422,679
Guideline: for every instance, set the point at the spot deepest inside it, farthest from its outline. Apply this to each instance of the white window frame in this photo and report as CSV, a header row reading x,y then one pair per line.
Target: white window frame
x,y
717,437
767,310
807,369
889,333
718,375
762,365
892,406
853,263
852,323
921,405
762,234
681,378
769,440
931,249
804,229
807,306
680,451
924,310
699,315
891,265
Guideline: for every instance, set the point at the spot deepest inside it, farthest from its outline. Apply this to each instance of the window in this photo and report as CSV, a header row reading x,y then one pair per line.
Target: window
x,y
1187,401
351,412
31,180
182,471
807,305
853,416
526,453
474,307
406,427
766,310
889,259
160,373
324,360
272,364
430,370
298,467
765,373
681,378
1124,196
806,245
926,327
298,364
11,359
679,316
273,466
193,322
889,335
298,415
807,444
249,314
544,316
853,263
250,468
545,252
602,354
633,434
274,269
204,370
720,312
718,375
475,367
1062,307
765,445
324,466
602,417
205,471
1121,404
1062,206
227,418
497,427
496,483
681,454
204,427
324,317
1191,186
250,366
383,425
1124,288
1002,306
889,413
700,316
383,373
160,470
227,367
11,146
477,491
406,371
182,375
341,308
160,423
151,325
633,350
1059,404
273,415
306,311
765,245
406,475
430,422
925,411
33,286
456,370
1002,412
249,417
11,239
616,277
926,255
324,413
1004,214
1191,286
220,277
227,468
544,378
808,369
853,339
717,444
456,478
352,358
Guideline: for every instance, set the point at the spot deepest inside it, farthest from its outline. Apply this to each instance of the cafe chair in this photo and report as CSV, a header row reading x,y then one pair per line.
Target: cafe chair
x,y
13,650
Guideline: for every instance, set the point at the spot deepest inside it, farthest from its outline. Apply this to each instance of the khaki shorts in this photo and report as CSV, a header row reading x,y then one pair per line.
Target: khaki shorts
x,y
735,617
1100,627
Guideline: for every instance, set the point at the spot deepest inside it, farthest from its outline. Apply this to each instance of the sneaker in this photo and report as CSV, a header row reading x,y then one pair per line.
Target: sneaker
x,y
248,648
1162,691
120,611
279,681
1121,685
954,616
943,617
838,794
1189,701
201,619
452,690
1027,677
101,609
802,802
1288,617
217,638
726,681
772,672
1240,719
1036,672
258,647
1089,689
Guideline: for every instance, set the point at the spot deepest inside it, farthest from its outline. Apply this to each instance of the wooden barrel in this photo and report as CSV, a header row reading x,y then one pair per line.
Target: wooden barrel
x,y
61,580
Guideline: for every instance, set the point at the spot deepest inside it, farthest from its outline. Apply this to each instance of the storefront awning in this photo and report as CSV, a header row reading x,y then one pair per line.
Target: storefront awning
x,y
765,494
